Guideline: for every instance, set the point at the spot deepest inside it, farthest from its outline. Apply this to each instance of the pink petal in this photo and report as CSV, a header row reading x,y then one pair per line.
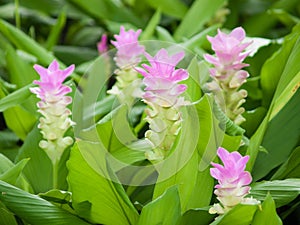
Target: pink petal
x,y
238,33
53,66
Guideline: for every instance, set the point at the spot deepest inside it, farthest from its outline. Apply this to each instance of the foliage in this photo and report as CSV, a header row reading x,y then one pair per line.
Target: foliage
x,y
105,177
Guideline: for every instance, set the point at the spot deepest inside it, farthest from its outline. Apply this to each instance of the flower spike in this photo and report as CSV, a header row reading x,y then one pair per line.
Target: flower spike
x,y
227,74
129,52
162,95
233,181
53,107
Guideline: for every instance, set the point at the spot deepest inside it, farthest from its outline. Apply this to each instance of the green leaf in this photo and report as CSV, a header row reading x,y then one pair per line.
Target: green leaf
x,y
107,10
286,94
24,42
271,135
7,217
268,215
38,170
239,215
5,164
187,166
9,144
33,209
63,199
21,73
200,12
69,54
87,105
56,31
15,98
130,154
276,136
265,20
164,35
284,17
196,216
159,210
58,196
11,176
253,120
290,168
13,173
231,143
193,82
113,130
19,120
101,200
199,39
150,29
281,67
282,191
46,6
27,44
211,134
175,8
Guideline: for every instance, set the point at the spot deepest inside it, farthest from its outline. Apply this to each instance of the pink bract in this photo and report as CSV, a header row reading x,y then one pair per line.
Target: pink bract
x,y
51,81
229,49
232,173
161,78
102,45
128,49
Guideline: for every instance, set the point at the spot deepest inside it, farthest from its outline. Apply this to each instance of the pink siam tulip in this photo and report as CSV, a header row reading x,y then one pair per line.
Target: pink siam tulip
x,y
129,52
102,45
53,107
163,98
233,181
227,73
128,49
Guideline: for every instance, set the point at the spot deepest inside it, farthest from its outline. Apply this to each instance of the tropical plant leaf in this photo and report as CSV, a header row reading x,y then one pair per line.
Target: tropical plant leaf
x,y
159,211
275,136
200,12
239,215
94,194
7,217
152,24
175,8
107,10
282,191
38,170
182,168
289,169
56,31
277,69
19,120
268,215
198,216
33,209
15,98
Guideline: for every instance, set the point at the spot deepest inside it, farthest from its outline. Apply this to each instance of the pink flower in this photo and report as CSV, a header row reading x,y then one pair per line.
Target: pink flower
x,y
227,74
102,44
51,87
161,78
53,106
232,178
128,49
229,50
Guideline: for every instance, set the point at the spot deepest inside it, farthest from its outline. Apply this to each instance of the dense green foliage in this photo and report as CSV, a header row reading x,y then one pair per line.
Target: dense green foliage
x,y
104,178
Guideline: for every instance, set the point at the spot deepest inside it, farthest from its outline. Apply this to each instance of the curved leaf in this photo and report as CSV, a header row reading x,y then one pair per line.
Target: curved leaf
x,y
95,197
33,209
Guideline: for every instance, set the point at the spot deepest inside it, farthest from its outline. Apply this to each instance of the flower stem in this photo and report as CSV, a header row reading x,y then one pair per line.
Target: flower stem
x,y
55,170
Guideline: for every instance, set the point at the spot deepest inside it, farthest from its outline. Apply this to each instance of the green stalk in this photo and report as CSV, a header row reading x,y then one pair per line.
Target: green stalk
x,y
55,174
17,14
